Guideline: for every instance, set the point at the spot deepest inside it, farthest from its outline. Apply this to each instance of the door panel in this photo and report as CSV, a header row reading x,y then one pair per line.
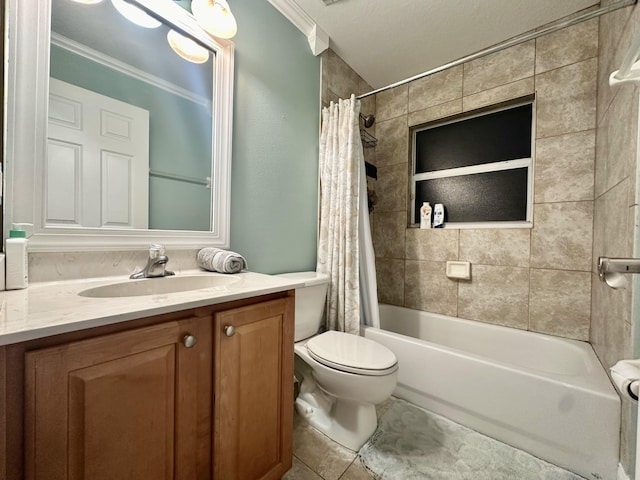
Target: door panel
x,y
110,401
131,405
107,142
253,406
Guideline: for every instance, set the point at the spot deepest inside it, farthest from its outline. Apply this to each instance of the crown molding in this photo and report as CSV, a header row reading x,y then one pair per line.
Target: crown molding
x,y
318,39
126,69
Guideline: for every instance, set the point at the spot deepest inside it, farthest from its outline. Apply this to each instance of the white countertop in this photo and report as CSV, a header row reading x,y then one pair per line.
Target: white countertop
x,y
51,308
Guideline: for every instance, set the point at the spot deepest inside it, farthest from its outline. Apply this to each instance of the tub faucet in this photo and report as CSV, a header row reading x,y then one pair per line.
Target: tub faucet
x,y
156,264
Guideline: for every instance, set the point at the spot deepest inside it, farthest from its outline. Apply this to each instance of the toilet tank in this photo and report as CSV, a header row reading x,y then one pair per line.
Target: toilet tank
x,y
310,302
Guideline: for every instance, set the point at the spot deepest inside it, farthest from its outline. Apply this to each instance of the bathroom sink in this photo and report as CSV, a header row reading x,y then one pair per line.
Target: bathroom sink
x,y
159,286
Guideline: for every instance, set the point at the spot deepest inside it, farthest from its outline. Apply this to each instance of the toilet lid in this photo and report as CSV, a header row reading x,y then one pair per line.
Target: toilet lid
x,y
352,353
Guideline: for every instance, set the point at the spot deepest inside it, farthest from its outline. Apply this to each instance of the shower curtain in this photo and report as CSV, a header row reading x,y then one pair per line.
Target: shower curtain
x,y
344,222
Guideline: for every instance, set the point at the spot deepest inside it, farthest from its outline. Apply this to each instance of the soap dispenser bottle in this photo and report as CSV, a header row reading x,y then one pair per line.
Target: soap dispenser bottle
x,y
17,275
425,215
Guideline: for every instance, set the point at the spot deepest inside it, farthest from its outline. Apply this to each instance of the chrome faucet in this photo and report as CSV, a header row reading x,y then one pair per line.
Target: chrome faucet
x,y
156,264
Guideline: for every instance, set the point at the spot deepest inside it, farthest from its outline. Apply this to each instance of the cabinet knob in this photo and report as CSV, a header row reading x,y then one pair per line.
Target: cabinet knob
x,y
229,330
189,341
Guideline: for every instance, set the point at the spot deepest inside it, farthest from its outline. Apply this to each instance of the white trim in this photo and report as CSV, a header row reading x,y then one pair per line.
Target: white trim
x,y
473,169
477,225
126,69
318,39
27,73
532,168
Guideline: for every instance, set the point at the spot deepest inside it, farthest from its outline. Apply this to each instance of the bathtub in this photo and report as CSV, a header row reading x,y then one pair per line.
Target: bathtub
x,y
545,395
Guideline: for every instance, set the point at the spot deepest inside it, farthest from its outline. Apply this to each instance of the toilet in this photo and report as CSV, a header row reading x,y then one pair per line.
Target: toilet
x,y
344,376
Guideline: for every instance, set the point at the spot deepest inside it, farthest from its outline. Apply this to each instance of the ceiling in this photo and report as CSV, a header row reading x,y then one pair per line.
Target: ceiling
x,y
388,41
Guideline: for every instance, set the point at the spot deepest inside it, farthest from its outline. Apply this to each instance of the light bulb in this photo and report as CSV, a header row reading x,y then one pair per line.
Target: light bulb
x,y
187,48
135,14
215,17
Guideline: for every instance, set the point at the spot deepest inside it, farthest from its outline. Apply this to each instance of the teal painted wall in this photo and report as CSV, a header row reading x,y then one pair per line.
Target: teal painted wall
x,y
274,180
173,146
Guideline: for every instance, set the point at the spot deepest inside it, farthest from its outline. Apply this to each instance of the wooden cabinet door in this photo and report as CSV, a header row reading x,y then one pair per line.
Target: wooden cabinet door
x,y
133,405
253,389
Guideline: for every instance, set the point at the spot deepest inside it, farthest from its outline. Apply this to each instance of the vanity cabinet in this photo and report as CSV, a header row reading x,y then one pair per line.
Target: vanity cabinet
x,y
254,392
200,394
126,405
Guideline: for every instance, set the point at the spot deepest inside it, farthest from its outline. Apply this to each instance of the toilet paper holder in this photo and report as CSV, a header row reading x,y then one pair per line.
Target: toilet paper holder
x,y
610,270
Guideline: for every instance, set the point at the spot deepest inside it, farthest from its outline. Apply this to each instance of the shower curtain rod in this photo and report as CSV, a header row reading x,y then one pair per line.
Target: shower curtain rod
x,y
510,43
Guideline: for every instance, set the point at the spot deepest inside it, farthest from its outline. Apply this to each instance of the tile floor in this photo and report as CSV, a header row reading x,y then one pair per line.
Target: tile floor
x,y
317,457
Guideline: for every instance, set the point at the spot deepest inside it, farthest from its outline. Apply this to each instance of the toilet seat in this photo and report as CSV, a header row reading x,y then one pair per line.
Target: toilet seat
x,y
352,354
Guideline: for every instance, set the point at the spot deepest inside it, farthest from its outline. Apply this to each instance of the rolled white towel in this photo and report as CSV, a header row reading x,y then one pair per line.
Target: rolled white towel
x,y
218,260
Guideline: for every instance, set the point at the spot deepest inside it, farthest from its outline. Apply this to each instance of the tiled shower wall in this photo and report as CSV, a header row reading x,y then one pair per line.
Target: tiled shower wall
x,y
340,81
529,278
537,279
616,205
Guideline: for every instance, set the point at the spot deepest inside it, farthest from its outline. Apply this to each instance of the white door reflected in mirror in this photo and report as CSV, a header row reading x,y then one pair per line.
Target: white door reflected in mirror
x,y
97,163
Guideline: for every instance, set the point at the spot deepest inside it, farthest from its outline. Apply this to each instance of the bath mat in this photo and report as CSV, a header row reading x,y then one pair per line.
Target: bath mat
x,y
411,443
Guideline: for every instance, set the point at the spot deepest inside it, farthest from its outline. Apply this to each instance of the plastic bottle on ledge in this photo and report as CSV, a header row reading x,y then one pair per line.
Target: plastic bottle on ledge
x,y
17,267
438,216
425,215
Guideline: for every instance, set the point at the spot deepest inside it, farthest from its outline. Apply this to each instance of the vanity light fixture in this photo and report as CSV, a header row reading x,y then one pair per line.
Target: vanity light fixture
x,y
135,14
215,17
87,2
187,48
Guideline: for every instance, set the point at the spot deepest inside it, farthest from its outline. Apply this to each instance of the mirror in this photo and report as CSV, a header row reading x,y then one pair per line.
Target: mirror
x,y
96,48
88,189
